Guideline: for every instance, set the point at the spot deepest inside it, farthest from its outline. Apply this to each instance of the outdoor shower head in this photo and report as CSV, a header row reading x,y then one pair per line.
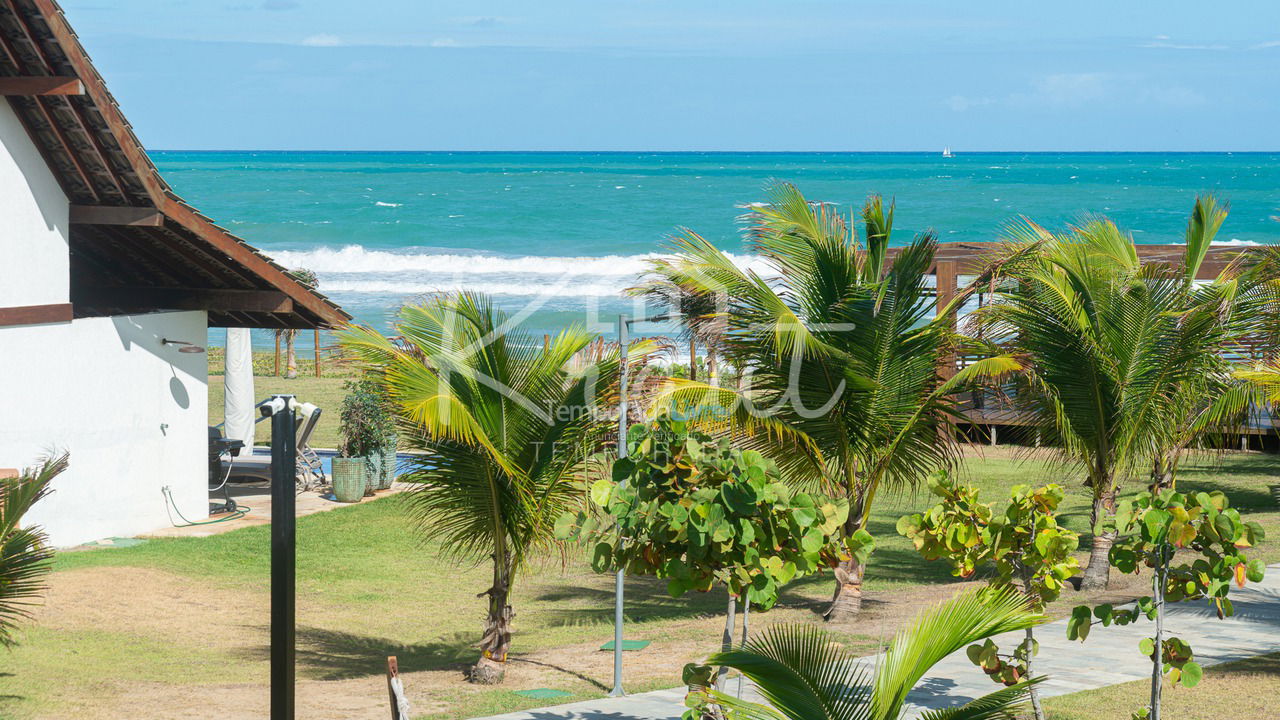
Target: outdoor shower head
x,y
182,345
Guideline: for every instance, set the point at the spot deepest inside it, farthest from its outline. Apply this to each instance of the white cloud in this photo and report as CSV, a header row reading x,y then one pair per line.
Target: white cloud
x,y
483,21
960,103
444,42
1071,89
1173,96
1265,45
1078,90
322,40
1164,42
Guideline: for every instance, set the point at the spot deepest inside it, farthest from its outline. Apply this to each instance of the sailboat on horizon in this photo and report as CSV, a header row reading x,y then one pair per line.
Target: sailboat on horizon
x,y
946,152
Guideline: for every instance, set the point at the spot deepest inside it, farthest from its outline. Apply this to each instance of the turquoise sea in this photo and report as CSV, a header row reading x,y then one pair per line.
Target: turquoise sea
x,y
557,236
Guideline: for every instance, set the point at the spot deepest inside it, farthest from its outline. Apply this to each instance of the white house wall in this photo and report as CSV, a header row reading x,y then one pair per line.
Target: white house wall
x,y
132,412
33,222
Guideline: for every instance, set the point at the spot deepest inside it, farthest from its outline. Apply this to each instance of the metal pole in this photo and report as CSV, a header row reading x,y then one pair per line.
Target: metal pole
x,y
283,556
746,628
617,690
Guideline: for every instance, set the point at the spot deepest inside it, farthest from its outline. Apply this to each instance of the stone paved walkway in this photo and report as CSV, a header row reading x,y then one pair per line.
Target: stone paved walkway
x,y
1110,656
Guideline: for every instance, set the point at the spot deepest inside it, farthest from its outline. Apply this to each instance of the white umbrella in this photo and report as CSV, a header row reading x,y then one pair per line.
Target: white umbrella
x,y
238,410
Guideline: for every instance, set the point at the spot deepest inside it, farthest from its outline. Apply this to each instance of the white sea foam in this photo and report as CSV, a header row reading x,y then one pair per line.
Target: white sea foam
x,y
358,259
514,286
379,203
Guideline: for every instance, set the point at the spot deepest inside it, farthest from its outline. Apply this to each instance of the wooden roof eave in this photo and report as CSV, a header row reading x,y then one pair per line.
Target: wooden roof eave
x,y
319,311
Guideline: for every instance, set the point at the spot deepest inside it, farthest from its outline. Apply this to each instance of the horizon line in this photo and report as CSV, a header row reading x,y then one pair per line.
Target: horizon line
x,y
728,152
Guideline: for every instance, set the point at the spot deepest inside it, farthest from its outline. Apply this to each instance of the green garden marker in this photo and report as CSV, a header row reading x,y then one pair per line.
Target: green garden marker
x,y
627,645
543,693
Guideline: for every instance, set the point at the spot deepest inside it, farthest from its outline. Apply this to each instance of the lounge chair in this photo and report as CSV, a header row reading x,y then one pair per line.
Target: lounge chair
x,y
257,468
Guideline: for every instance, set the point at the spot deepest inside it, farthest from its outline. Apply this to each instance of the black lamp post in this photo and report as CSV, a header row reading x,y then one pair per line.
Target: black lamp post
x,y
283,551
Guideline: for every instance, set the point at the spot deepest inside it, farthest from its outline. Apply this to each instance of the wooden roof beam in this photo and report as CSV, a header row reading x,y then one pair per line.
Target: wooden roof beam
x,y
116,215
36,86
153,298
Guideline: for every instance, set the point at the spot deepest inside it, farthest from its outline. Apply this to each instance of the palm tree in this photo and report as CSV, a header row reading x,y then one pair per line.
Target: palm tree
x,y
837,350
307,278
25,556
504,426
1119,361
805,674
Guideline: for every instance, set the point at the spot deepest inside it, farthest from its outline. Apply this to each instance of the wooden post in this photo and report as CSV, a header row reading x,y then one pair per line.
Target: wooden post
x,y
945,275
317,352
693,359
277,354
395,691
546,342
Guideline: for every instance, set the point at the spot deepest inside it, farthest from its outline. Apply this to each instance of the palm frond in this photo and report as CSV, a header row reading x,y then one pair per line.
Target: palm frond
x,y
25,555
805,674
1003,704
941,630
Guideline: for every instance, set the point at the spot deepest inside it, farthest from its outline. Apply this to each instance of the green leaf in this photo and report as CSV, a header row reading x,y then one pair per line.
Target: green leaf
x,y
677,587
695,675
602,558
600,492
1156,523
739,497
812,540
974,652
1225,528
1191,674
1079,623
1146,646
1254,570
565,526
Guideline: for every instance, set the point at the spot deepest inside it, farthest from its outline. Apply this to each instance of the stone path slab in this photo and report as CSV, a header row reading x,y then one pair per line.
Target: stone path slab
x,y
1110,656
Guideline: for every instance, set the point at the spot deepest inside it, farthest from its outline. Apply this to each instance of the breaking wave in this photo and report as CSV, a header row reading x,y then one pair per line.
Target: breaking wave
x,y
358,259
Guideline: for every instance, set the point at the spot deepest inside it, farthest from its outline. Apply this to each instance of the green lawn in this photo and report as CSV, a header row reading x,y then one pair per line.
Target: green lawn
x,y
1242,689
325,392
179,618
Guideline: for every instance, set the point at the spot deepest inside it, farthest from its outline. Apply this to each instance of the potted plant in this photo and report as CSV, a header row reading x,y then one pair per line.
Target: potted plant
x,y
388,475
364,424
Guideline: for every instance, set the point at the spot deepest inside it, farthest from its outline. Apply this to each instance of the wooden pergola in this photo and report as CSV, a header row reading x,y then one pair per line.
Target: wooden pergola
x,y
954,260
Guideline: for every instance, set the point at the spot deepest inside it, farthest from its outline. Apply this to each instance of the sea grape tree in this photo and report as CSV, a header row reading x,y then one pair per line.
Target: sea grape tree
x,y
1022,544
699,513
1194,544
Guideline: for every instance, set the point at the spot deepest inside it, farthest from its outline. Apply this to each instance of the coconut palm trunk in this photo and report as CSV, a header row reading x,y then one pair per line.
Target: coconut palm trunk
x,y
491,668
290,354
846,602
1097,575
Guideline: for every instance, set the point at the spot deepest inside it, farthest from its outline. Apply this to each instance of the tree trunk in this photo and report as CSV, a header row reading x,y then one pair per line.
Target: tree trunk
x,y
846,603
726,640
1030,643
1157,672
291,356
1161,475
1098,573
492,666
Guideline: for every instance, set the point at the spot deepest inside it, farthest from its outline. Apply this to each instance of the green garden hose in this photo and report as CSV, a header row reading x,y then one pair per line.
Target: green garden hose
x,y
240,511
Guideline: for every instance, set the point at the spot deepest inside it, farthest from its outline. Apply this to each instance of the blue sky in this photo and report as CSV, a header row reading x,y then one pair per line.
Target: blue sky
x,y
690,75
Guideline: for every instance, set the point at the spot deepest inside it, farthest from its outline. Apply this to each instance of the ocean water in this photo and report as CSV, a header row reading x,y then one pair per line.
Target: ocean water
x,y
555,238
